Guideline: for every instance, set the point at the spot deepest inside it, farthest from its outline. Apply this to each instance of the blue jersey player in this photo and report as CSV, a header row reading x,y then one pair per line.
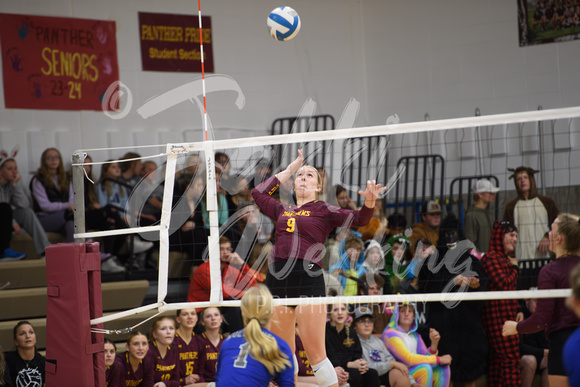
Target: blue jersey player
x,y
254,356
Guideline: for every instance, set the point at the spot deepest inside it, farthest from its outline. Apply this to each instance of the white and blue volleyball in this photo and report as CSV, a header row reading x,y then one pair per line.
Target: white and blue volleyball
x,y
283,23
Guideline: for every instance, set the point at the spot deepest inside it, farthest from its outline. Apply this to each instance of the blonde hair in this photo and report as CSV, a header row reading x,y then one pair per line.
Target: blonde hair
x,y
569,228
257,311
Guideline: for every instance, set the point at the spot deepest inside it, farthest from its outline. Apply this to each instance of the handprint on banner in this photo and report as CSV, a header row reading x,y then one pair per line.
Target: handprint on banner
x,y
23,30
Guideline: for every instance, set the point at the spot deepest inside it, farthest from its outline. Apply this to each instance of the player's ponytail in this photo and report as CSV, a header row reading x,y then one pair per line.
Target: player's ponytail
x,y
257,311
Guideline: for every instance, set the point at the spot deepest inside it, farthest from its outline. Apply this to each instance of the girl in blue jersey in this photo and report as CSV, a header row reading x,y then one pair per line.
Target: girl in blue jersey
x,y
254,356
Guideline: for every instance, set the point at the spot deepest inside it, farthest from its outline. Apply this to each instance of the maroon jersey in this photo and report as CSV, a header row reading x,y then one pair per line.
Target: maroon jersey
x,y
142,377
190,360
166,368
302,231
210,353
113,375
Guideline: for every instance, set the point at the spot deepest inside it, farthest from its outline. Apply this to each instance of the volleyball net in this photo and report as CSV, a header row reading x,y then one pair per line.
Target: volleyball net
x,y
431,160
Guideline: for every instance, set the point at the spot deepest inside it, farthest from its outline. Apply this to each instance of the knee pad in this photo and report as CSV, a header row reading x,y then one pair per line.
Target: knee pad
x,y
324,373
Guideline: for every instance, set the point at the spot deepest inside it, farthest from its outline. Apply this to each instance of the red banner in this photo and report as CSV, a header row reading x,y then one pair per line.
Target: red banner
x,y
172,42
57,63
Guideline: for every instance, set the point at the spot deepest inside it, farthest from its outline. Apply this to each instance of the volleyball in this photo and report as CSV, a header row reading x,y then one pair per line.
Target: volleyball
x,y
283,23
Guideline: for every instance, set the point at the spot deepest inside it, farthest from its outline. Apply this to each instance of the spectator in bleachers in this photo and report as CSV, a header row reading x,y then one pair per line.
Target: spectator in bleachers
x,y
343,200
351,262
397,259
188,347
25,364
532,214
151,195
478,221
236,275
222,206
429,225
114,196
210,341
111,368
263,171
571,359
344,349
110,192
372,285
223,165
52,195
376,354
255,244
15,212
407,346
242,194
374,262
501,269
396,225
99,218
193,169
130,170
455,268
191,238
534,349
135,368
162,354
552,313
376,229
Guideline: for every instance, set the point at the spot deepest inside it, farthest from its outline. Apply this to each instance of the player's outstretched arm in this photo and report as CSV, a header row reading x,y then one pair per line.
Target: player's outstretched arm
x,y
291,168
371,193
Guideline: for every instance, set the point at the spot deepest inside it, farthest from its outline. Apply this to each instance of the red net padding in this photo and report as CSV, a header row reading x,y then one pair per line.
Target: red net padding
x,y
74,354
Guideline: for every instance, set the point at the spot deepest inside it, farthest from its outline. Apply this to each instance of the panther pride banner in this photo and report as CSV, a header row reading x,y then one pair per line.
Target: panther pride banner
x,y
57,63
172,43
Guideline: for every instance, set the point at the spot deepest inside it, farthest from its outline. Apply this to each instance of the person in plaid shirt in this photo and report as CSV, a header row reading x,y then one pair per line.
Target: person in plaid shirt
x,y
501,267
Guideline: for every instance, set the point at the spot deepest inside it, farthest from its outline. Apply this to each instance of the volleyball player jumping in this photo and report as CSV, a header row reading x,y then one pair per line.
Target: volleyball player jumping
x,y
301,231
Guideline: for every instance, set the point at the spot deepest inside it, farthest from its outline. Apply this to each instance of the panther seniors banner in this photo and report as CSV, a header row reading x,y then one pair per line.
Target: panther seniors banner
x,y
56,62
172,43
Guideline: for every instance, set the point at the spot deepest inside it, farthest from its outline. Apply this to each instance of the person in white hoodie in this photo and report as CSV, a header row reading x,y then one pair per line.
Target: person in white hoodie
x,y
391,372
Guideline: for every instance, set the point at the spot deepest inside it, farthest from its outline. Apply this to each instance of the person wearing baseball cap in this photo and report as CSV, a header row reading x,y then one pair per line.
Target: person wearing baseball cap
x,y
478,220
429,225
378,357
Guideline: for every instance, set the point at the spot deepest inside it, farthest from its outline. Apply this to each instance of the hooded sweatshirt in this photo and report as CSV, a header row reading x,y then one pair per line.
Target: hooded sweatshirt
x,y
533,216
349,286
407,347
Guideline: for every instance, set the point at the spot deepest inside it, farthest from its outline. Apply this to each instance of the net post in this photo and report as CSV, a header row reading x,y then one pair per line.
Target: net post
x,y
167,204
78,178
214,232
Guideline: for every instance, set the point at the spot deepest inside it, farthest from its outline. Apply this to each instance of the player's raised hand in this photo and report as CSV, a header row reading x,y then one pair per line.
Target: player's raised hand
x,y
372,192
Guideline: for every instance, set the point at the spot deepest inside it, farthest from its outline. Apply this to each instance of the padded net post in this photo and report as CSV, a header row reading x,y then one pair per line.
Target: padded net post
x,y
74,354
